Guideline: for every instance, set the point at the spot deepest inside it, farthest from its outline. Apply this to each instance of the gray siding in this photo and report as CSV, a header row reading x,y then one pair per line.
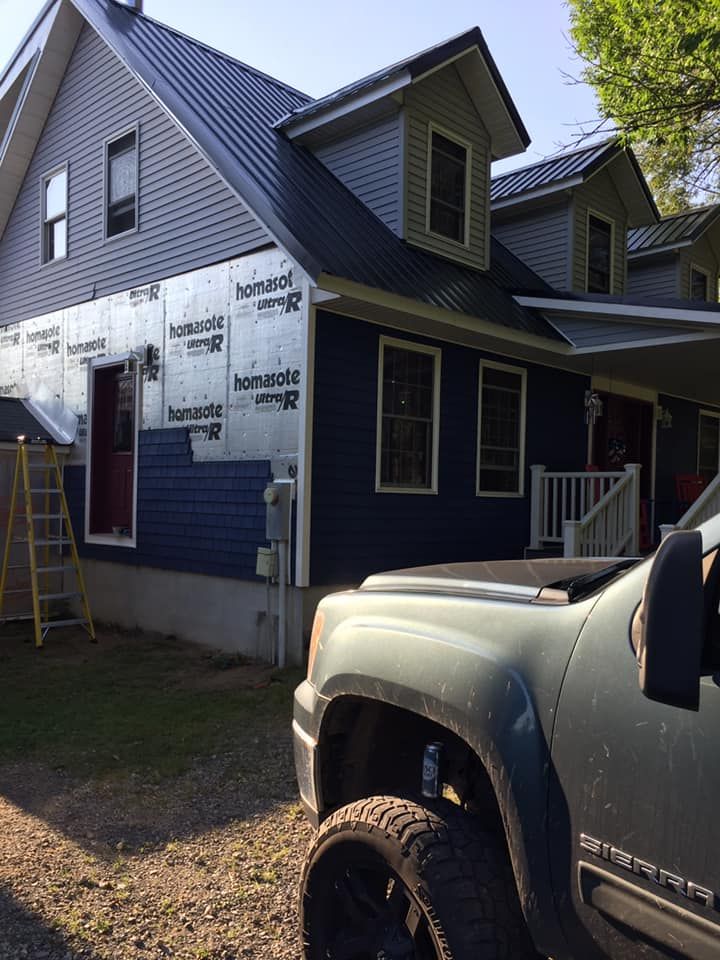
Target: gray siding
x,y
443,100
187,216
369,163
599,195
540,238
657,278
699,255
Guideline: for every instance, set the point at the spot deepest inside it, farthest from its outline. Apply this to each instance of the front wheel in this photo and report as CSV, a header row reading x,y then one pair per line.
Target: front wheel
x,y
389,879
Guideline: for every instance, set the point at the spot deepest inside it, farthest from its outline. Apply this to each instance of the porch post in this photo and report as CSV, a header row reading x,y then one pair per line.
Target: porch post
x,y
634,518
571,538
536,504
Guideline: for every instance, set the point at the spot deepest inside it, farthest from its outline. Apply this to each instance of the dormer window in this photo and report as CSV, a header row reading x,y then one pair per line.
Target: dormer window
x,y
599,254
448,193
698,284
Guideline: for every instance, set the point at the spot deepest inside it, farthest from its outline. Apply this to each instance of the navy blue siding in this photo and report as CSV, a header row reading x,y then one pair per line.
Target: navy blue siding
x,y
196,517
188,217
356,531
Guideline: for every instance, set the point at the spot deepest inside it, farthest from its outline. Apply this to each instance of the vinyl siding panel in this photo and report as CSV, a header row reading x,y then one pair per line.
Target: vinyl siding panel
x,y
699,255
443,100
356,531
187,218
600,196
369,163
540,238
658,278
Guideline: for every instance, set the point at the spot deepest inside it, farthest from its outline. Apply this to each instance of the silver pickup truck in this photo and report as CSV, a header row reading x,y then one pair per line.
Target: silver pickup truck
x,y
517,759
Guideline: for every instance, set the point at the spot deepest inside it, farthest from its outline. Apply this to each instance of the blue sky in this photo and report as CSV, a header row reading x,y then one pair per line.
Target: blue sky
x,y
322,45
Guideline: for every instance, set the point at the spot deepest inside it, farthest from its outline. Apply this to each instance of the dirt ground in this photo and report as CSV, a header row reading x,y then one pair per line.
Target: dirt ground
x,y
123,840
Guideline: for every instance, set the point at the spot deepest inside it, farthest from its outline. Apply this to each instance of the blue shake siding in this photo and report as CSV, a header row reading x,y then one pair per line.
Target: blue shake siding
x,y
356,531
196,517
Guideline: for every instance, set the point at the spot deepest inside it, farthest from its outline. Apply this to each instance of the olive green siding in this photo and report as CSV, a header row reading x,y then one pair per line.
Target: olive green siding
x,y
441,99
600,196
702,256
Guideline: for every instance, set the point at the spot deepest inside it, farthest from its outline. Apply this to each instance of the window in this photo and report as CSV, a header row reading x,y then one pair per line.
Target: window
x,y
121,184
501,430
448,188
599,254
698,284
708,444
408,414
54,215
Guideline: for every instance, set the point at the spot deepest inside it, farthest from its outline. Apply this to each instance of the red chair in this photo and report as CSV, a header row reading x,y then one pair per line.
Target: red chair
x,y
688,487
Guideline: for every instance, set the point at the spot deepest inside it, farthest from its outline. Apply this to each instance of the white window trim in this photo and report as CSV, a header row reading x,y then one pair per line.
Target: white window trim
x,y
436,353
133,128
522,373
599,216
706,273
715,416
43,180
436,128
111,539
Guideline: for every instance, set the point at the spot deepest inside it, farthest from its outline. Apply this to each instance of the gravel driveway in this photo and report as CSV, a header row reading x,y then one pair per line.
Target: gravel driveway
x,y
199,865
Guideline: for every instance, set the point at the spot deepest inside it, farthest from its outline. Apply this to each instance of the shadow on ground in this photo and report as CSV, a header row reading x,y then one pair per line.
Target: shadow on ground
x,y
23,934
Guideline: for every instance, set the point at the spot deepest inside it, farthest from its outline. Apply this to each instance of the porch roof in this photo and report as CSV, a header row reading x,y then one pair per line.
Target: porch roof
x,y
17,420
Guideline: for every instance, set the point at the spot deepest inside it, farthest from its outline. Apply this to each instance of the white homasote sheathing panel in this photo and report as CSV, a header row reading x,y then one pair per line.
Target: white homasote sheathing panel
x,y
222,347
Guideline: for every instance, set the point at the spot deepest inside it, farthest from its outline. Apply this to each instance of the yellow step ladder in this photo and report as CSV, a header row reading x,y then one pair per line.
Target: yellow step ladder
x,y
51,538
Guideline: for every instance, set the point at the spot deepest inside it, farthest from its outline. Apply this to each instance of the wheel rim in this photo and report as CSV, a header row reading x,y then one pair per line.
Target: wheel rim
x,y
360,909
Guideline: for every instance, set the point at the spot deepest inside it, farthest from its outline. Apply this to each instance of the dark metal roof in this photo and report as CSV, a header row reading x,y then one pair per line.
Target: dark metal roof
x,y
580,163
632,300
677,229
416,65
16,420
229,110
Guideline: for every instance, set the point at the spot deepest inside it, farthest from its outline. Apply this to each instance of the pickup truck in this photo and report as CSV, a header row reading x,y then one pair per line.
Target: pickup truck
x,y
515,760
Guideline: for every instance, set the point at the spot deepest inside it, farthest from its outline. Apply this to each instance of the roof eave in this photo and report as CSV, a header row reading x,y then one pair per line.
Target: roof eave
x,y
622,310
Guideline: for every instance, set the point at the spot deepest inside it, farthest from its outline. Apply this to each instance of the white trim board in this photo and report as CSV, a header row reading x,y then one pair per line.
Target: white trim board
x,y
614,311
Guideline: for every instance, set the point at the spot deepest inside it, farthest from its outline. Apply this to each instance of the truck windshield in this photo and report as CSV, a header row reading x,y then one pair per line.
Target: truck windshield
x,y
582,586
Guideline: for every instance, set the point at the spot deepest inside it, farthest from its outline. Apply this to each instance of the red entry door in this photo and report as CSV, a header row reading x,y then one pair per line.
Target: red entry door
x,y
624,434
113,451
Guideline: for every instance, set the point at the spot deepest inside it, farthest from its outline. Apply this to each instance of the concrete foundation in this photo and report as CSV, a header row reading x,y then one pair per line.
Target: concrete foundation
x,y
230,614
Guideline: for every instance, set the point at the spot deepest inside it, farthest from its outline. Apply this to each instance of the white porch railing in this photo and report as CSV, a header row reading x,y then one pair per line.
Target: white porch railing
x,y
589,513
706,506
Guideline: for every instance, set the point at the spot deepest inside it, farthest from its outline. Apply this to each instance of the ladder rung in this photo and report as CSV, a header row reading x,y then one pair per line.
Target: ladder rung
x,y
55,569
12,617
62,623
52,542
18,590
40,466
40,516
58,596
44,490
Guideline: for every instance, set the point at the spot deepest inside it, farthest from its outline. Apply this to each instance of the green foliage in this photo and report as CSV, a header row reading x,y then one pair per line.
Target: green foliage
x,y
655,65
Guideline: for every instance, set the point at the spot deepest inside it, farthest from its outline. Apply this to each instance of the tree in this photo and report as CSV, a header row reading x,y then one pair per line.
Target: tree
x,y
655,65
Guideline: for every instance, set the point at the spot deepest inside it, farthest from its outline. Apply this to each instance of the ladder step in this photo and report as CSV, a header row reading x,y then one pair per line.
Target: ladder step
x,y
40,516
62,623
58,596
40,466
44,490
55,569
52,542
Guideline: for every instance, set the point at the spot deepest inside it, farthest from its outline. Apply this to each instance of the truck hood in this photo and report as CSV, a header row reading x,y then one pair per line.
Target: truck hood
x,y
519,580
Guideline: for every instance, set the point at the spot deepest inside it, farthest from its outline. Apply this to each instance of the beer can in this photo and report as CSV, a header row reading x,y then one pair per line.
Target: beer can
x,y
431,770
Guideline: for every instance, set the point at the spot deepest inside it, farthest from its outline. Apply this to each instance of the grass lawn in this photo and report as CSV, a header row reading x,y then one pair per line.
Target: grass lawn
x,y
130,702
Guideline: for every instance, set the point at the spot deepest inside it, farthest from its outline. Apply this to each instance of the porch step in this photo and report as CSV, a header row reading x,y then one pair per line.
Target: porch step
x,y
539,553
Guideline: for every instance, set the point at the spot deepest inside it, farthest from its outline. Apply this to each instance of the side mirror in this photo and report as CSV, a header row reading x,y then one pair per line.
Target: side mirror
x,y
670,623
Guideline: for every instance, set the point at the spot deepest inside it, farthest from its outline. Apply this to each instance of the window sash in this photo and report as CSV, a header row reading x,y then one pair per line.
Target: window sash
x,y
599,255
501,425
407,422
54,228
448,187
121,184
698,284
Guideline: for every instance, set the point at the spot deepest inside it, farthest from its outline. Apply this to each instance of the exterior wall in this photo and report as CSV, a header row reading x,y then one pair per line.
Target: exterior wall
x,y
443,100
700,255
650,277
356,531
599,195
541,239
369,163
187,216
195,517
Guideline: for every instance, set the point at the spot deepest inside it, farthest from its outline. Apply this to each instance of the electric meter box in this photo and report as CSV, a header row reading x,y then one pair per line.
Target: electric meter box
x,y
278,497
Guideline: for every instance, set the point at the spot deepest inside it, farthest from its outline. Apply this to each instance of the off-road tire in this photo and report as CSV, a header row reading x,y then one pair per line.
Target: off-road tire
x,y
458,875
